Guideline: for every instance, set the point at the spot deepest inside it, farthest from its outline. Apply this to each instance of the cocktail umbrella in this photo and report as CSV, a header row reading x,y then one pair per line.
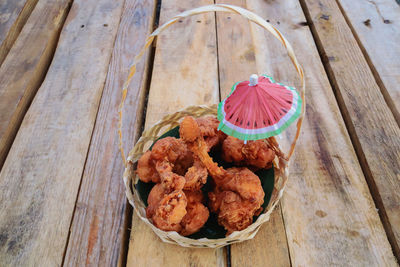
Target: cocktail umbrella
x,y
258,109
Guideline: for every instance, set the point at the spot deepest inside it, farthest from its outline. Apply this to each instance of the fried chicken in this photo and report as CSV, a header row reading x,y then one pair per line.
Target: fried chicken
x,y
238,195
234,212
165,153
236,200
180,168
170,211
156,194
146,169
196,176
209,130
178,211
254,153
172,163
197,214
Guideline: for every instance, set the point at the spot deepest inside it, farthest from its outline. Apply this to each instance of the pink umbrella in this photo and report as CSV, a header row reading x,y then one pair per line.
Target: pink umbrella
x,y
258,109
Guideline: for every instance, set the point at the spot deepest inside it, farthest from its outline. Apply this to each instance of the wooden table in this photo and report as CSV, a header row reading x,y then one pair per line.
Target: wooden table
x,y
63,63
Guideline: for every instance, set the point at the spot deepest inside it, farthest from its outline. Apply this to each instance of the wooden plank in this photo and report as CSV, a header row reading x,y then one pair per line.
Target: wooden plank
x,y
268,248
329,214
13,15
371,124
40,179
97,230
25,66
185,73
236,63
236,59
376,24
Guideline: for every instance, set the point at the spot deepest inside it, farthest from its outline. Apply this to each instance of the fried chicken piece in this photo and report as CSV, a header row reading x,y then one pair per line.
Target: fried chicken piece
x,y
169,148
170,211
195,218
235,213
214,199
254,153
245,183
156,195
239,194
178,211
169,155
194,196
209,130
236,201
146,169
191,134
172,163
165,153
196,176
169,180
170,152
197,214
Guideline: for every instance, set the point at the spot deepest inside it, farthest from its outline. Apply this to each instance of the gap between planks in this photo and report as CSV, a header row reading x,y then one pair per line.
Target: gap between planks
x,y
227,249
148,76
11,32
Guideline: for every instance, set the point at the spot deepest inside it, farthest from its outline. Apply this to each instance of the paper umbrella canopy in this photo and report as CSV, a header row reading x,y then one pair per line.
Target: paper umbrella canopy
x,y
258,109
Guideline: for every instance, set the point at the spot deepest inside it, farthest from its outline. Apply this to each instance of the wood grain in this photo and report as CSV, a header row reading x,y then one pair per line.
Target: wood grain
x,y
97,229
26,65
40,179
371,124
13,15
268,248
236,57
376,24
185,73
329,214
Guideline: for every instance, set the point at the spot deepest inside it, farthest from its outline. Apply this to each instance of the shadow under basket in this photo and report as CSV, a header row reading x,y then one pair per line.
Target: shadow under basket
x,y
273,181
211,235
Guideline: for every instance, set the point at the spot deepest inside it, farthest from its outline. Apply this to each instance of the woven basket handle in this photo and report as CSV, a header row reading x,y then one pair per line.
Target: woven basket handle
x,y
217,8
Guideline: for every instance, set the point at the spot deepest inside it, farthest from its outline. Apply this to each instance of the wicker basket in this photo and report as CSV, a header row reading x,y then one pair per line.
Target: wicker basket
x,y
172,120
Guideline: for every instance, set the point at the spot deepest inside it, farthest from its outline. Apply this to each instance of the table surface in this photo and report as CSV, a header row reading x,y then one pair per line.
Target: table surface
x,y
62,67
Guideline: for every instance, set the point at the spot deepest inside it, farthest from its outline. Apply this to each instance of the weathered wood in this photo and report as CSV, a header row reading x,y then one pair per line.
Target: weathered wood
x,y
268,248
376,24
13,15
25,66
97,228
371,124
236,59
329,214
185,73
236,63
40,179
